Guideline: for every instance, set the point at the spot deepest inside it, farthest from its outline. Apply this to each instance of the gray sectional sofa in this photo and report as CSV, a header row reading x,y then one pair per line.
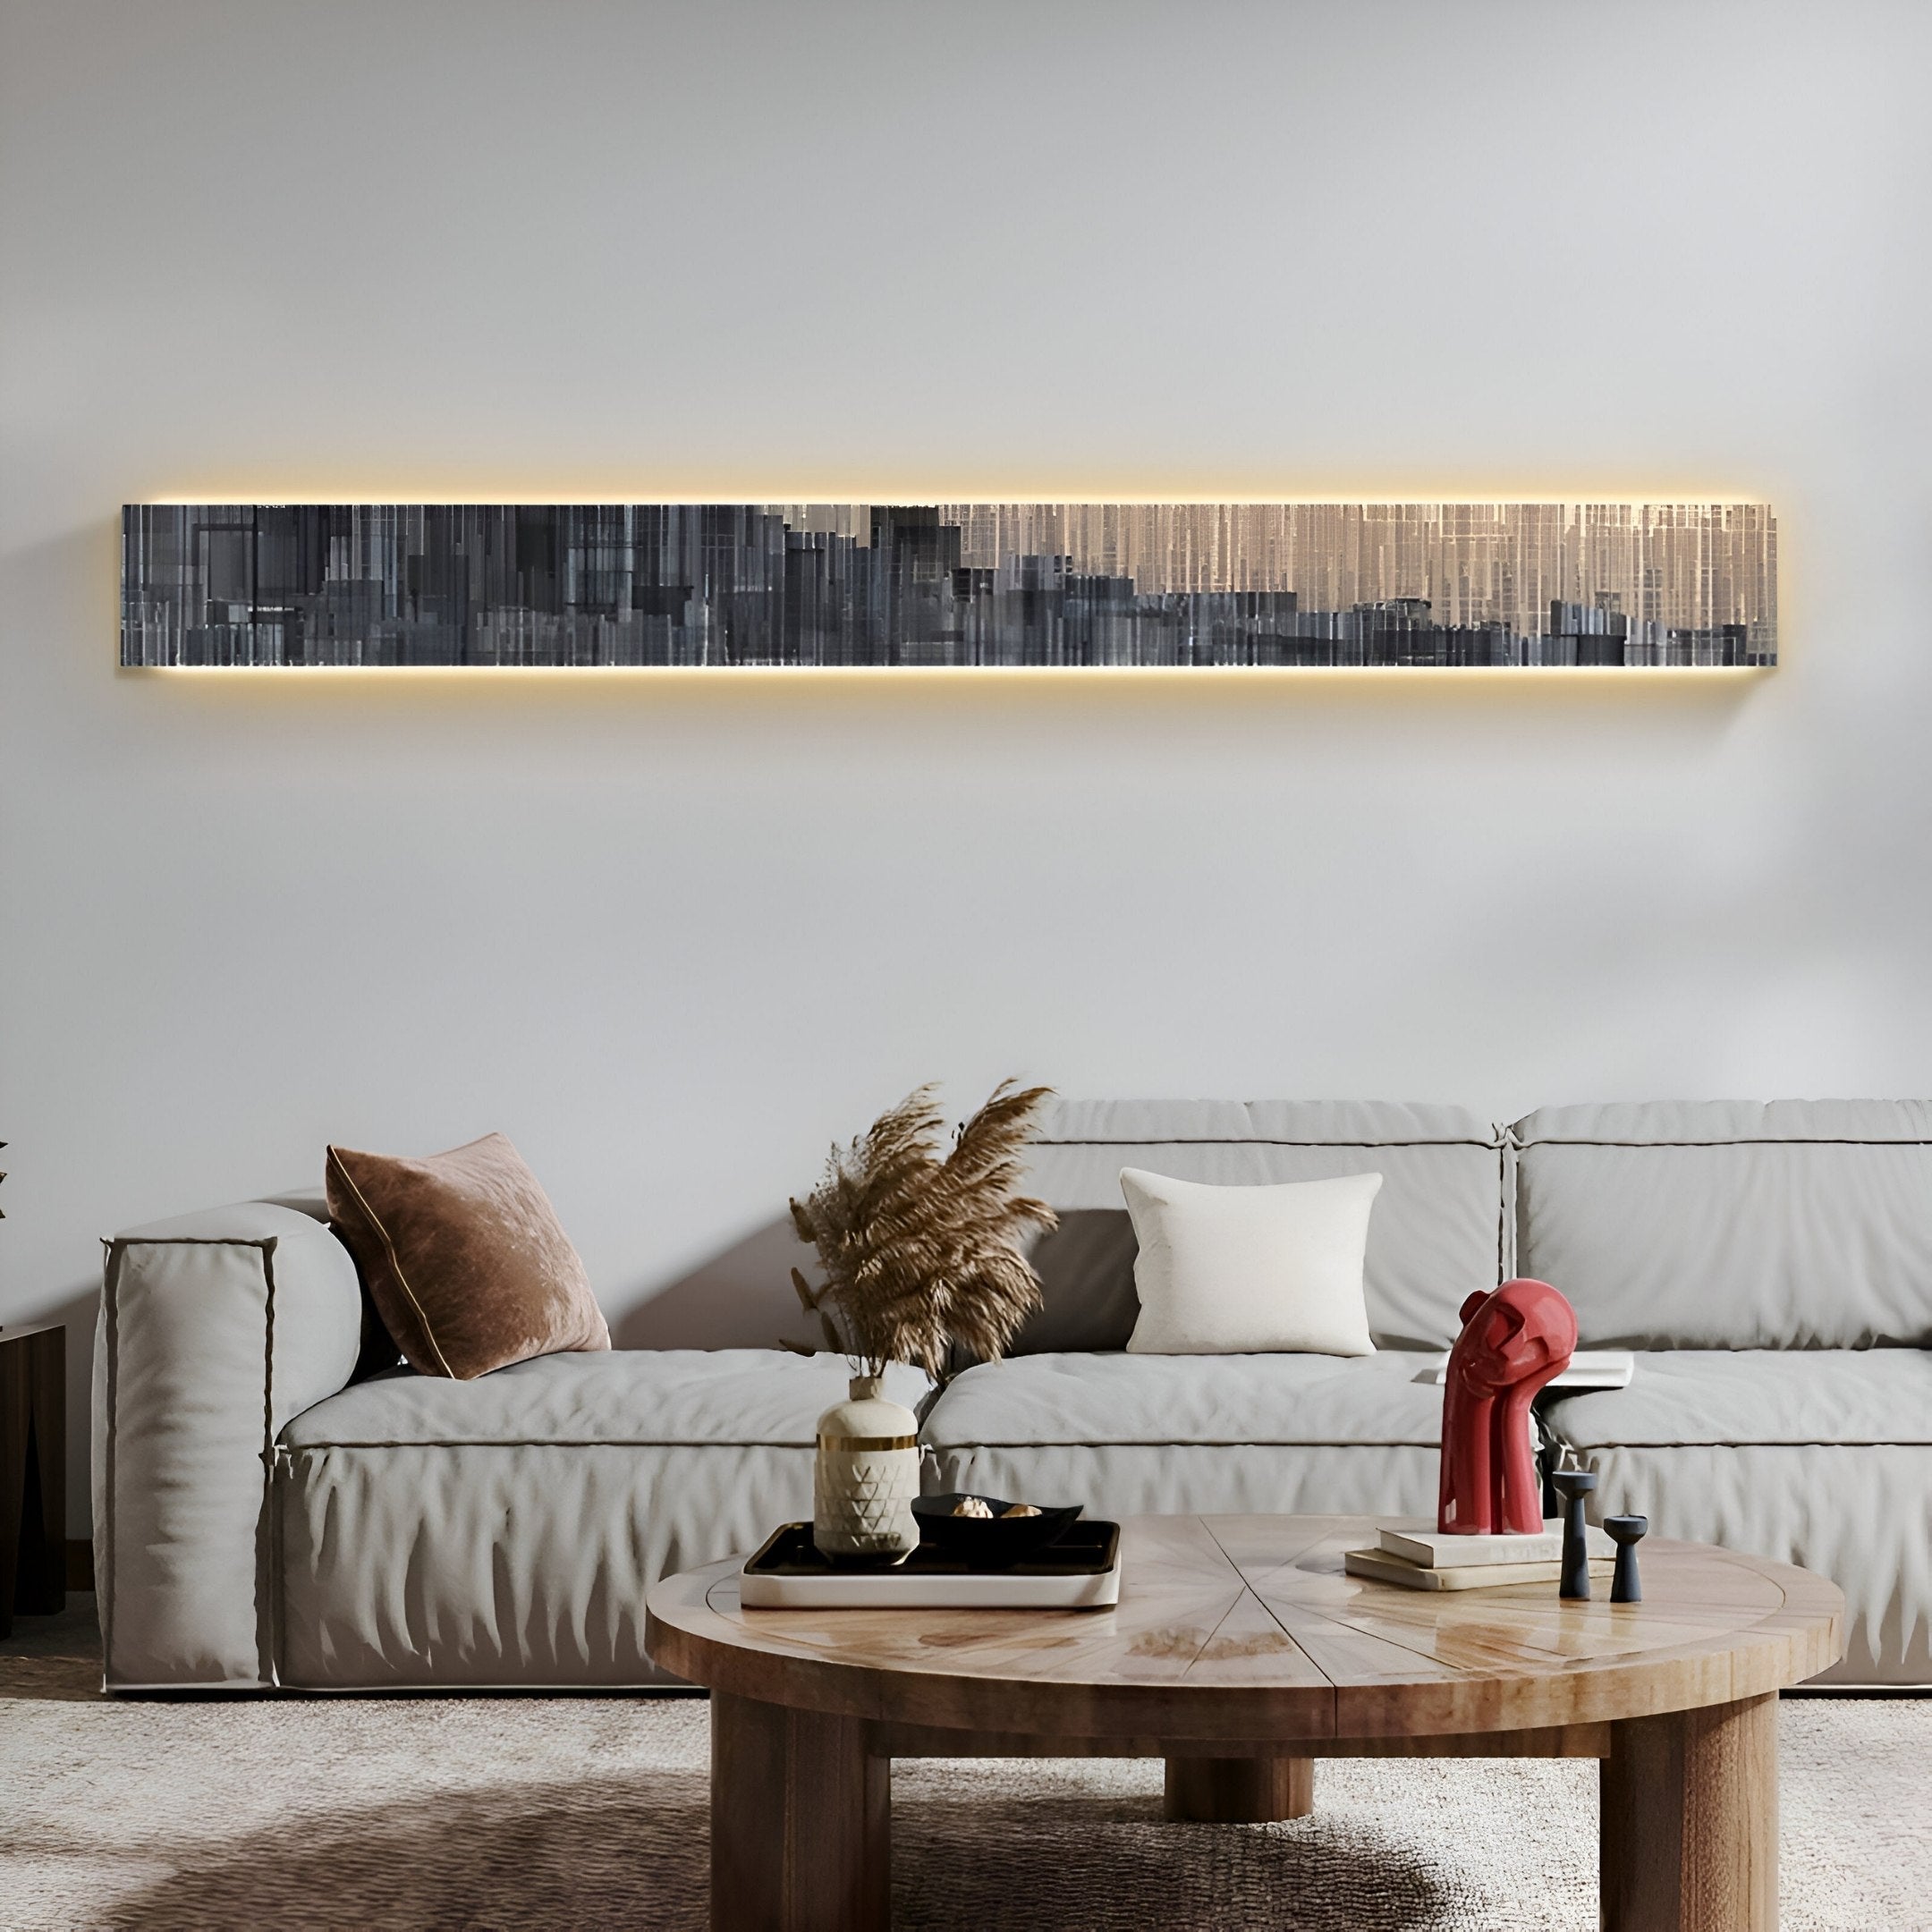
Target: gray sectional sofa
x,y
261,1522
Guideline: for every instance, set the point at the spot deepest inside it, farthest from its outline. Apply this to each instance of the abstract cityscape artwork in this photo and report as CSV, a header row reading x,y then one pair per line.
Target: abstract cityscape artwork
x,y
1068,585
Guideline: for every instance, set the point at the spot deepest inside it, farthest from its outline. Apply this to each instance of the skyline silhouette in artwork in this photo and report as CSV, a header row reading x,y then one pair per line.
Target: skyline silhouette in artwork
x,y
1041,585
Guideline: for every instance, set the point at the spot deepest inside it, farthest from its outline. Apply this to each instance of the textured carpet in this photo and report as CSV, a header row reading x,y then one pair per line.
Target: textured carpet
x,y
565,1812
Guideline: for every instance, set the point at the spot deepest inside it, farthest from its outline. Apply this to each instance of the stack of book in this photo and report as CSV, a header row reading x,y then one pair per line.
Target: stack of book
x,y
1589,1369
1427,1559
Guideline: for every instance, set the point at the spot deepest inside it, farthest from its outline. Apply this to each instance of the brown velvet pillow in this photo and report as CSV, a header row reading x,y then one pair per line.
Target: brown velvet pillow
x,y
462,1256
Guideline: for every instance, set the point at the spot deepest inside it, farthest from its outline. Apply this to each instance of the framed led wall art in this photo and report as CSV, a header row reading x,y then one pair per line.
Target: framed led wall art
x,y
1044,586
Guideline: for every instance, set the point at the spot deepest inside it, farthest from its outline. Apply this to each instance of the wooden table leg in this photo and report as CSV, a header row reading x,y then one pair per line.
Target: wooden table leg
x,y
1238,1791
1690,1821
801,1822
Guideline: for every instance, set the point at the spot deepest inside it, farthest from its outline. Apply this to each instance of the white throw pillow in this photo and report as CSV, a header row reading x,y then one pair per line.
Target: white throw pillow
x,y
1251,1270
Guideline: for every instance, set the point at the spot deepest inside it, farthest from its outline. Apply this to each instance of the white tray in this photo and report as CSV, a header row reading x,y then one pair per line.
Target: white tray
x,y
900,1590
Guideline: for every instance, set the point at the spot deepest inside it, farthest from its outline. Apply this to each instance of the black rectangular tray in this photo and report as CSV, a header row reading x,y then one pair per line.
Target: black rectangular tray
x,y
1087,1546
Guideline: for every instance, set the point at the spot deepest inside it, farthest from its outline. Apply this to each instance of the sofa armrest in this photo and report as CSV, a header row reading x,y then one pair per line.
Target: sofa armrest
x,y
215,1330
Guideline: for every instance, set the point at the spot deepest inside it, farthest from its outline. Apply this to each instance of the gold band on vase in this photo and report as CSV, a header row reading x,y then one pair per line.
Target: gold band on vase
x,y
851,1444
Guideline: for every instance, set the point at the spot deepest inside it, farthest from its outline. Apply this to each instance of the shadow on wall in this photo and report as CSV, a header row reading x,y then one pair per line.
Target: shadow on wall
x,y
740,1298
77,1309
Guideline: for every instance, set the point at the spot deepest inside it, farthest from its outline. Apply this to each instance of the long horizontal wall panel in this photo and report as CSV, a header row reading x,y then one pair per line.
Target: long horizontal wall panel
x,y
993,584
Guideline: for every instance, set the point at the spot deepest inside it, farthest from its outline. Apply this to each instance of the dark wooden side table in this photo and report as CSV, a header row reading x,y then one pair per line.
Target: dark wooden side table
x,y
33,1472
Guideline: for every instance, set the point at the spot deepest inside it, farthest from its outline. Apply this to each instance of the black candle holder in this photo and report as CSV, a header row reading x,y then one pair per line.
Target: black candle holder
x,y
1626,1532
1572,1485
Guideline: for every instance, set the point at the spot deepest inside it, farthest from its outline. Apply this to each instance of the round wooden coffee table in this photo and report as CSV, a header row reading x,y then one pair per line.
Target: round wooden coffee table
x,y
1240,1653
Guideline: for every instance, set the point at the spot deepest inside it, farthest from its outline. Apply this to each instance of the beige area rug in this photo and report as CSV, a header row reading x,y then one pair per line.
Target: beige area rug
x,y
563,1812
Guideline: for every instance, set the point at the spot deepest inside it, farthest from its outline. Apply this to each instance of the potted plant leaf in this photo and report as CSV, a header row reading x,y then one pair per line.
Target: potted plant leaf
x,y
920,1247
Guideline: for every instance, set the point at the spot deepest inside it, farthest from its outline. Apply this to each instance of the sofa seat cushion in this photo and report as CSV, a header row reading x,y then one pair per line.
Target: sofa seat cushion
x,y
504,1532
1128,1435
624,1395
1220,1399
1758,1396
1817,1457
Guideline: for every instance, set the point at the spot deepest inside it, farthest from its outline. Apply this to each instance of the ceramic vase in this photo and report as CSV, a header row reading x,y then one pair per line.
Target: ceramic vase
x,y
866,1477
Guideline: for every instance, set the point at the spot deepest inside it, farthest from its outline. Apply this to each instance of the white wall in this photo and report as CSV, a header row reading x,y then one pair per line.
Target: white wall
x,y
674,935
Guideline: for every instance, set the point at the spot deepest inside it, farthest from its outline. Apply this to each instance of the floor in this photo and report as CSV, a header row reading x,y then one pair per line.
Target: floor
x,y
566,1812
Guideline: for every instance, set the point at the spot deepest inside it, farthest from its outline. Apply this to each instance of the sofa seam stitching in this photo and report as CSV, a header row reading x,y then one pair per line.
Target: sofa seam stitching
x,y
1151,1140
1733,1141
537,1442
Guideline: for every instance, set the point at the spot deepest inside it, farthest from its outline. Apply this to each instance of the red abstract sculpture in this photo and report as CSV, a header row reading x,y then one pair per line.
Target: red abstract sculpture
x,y
1514,1339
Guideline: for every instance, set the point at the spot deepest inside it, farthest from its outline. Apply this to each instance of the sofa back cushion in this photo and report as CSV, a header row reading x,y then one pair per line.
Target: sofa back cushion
x,y
1434,1237
1732,1224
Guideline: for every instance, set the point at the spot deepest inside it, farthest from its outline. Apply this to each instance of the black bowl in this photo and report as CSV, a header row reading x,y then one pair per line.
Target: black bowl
x,y
990,1540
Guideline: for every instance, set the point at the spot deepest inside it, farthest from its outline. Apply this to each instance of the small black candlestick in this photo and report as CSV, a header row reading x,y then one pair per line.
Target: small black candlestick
x,y
1572,1485
1625,1585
